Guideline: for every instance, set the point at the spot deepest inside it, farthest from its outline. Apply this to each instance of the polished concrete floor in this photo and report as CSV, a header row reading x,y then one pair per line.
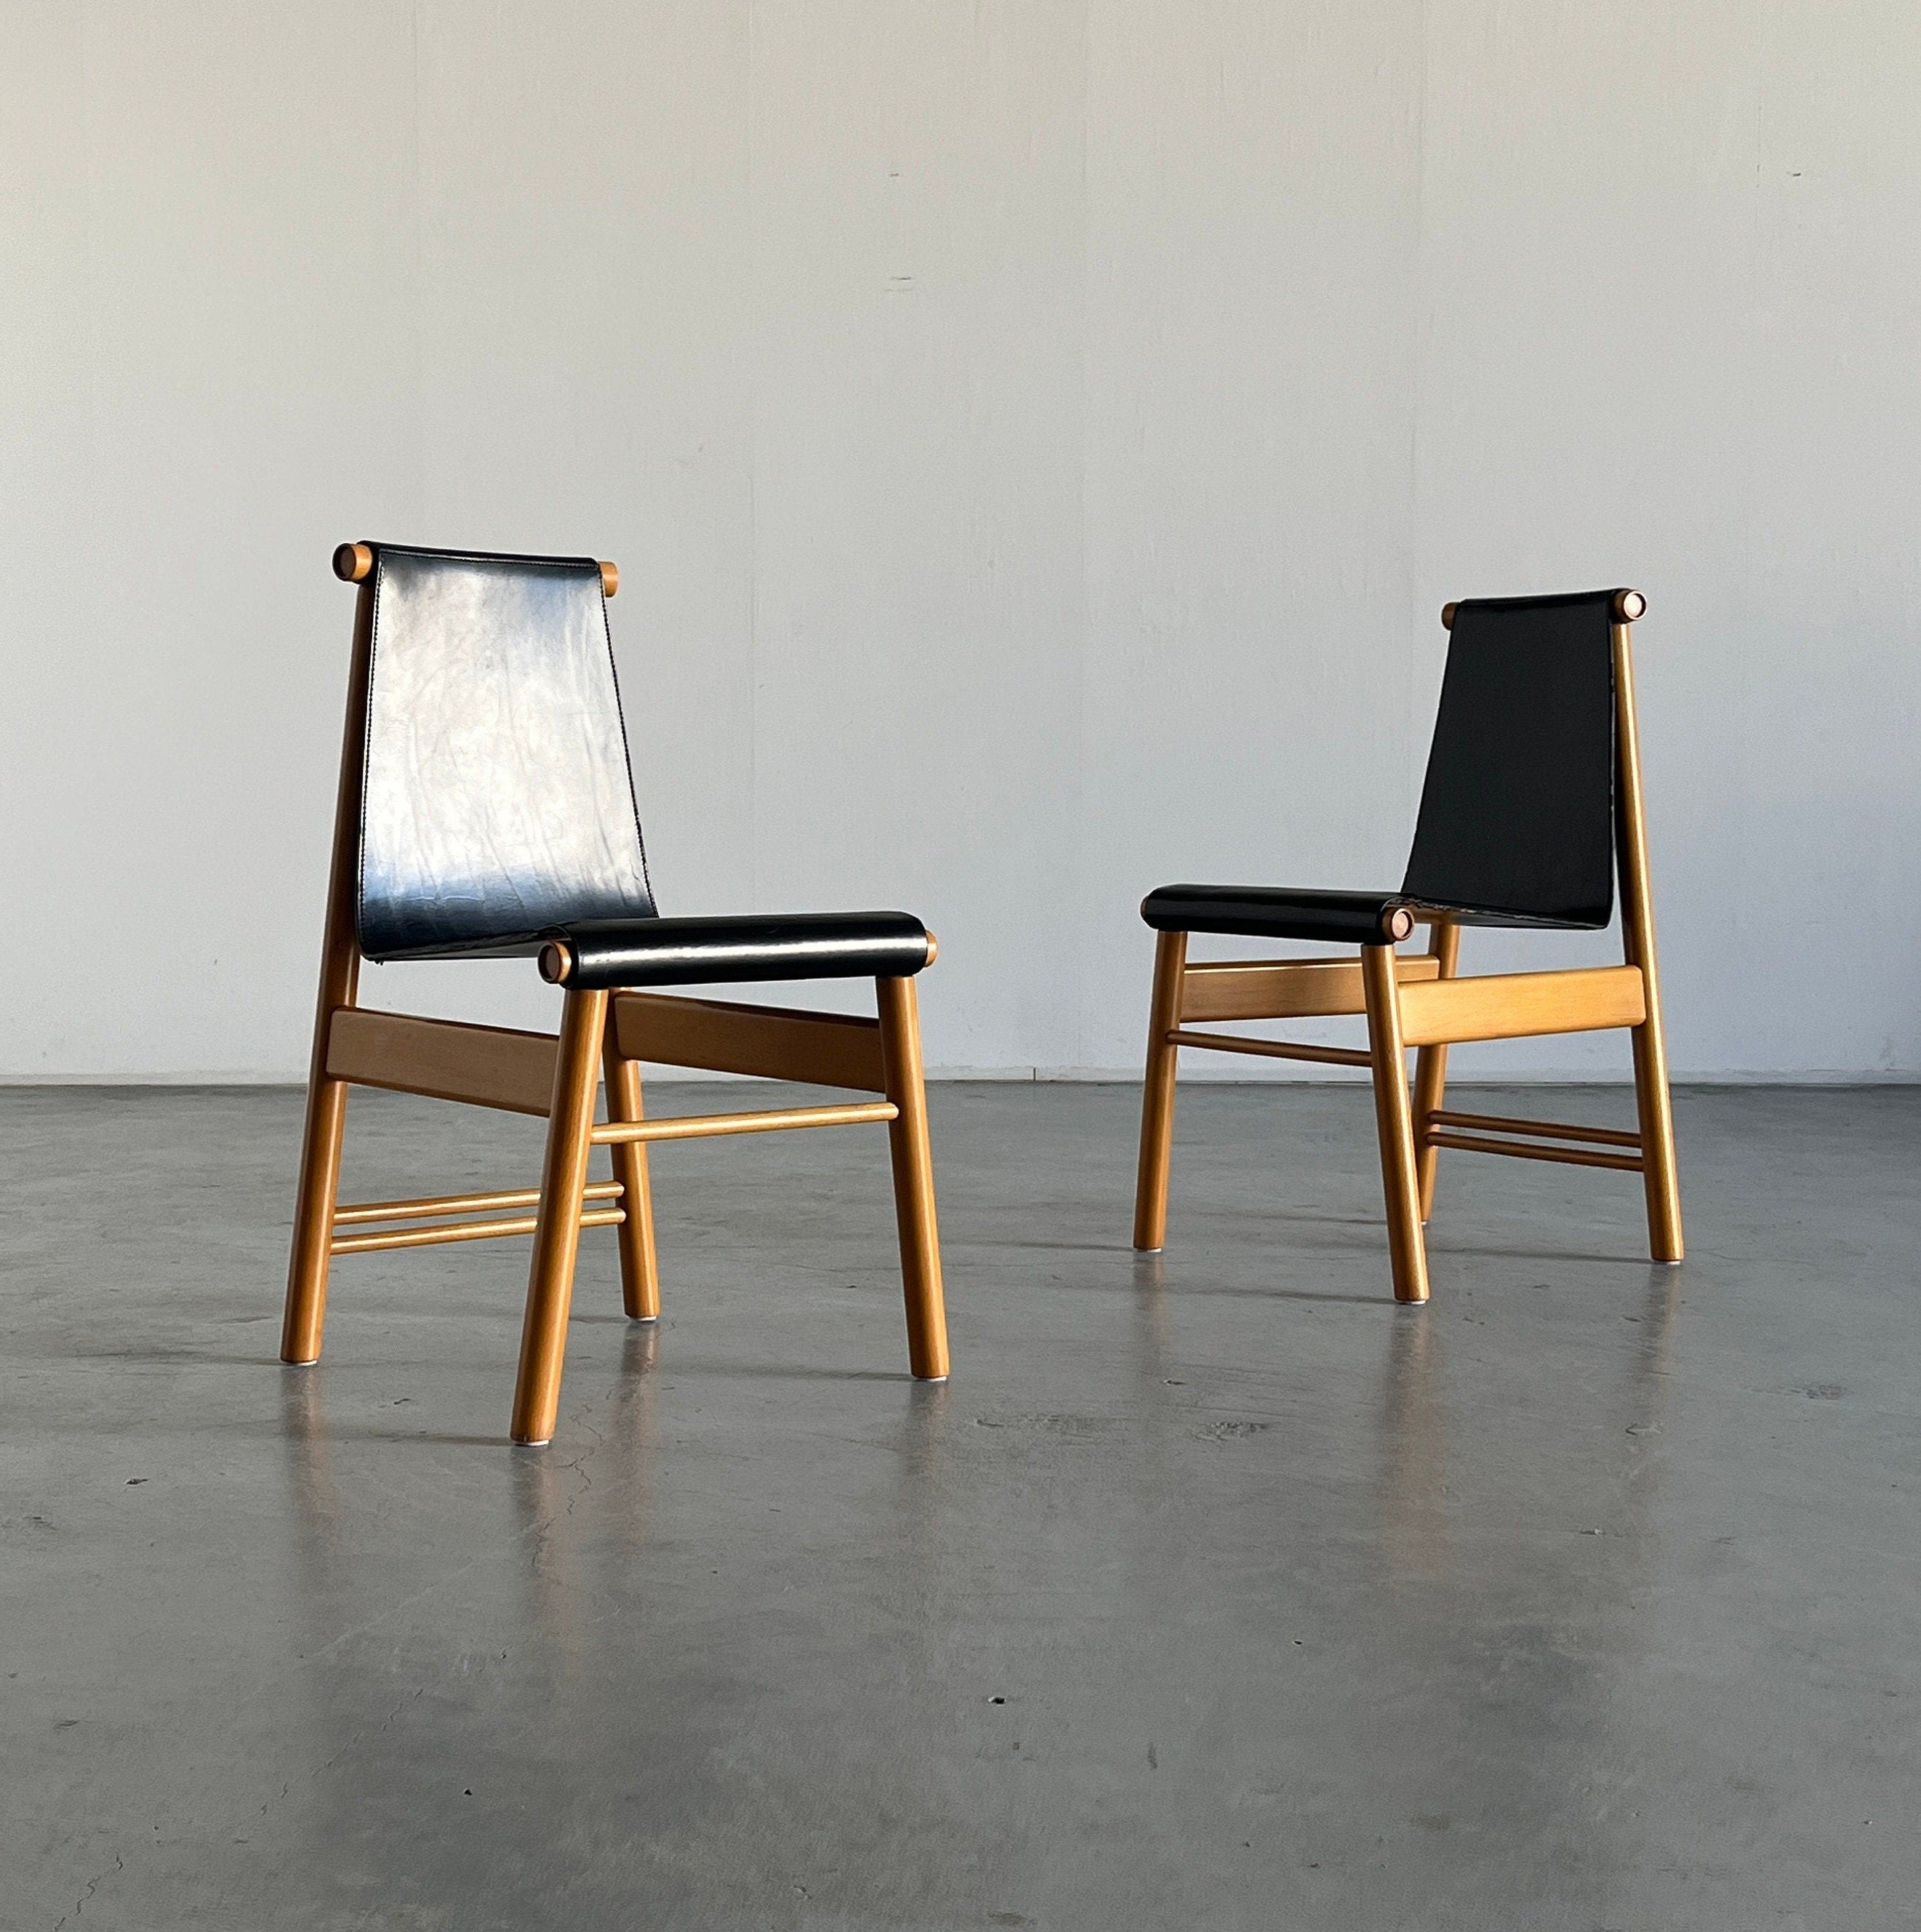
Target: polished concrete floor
x,y
1212,1591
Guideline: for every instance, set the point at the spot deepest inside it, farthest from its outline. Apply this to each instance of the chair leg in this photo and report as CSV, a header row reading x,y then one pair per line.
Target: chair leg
x,y
556,1238
1157,1154
640,1272
1430,1073
306,1312
1659,1173
1407,1248
914,1180
1650,1045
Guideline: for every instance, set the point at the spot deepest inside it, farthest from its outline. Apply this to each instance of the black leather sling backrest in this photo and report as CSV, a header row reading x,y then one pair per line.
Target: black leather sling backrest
x,y
1516,824
496,801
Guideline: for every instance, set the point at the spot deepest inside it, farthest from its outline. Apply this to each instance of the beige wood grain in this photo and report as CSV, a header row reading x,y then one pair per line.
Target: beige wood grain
x,y
767,1042
1516,1006
445,1059
1285,989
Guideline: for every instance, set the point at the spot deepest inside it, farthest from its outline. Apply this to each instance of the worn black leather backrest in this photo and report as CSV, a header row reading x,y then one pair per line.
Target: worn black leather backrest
x,y
496,797
1518,814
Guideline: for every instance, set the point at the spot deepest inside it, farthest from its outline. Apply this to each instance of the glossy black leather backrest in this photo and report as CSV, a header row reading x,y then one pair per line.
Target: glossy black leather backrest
x,y
496,797
1518,813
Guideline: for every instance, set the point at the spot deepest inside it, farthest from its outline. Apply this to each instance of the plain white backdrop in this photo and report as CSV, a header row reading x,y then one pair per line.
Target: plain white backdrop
x,y
1036,436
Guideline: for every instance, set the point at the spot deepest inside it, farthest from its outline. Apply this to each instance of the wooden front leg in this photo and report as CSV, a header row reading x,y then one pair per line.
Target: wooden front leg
x,y
1406,1249
556,1238
1170,963
914,1180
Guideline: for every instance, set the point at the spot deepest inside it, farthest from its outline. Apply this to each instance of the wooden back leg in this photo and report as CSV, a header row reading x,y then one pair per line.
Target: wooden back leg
x,y
913,1179
640,1272
1430,1073
305,1314
1170,962
556,1238
1406,1246
319,1188
1659,1172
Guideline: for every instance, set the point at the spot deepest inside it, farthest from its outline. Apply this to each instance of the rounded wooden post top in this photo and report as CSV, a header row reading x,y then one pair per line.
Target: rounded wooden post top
x,y
1629,606
352,561
557,962
933,949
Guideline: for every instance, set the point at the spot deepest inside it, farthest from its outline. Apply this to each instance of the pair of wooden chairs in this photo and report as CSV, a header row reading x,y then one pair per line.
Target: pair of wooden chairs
x,y
486,811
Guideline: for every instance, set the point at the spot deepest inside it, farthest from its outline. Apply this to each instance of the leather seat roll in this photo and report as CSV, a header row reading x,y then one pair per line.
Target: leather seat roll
x,y
1278,912
761,946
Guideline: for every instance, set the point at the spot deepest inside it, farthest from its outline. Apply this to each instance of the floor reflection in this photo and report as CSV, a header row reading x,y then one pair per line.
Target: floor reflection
x,y
1410,1490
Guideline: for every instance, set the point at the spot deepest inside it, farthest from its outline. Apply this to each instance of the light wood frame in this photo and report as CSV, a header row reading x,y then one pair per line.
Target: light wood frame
x,y
602,1035
1420,1001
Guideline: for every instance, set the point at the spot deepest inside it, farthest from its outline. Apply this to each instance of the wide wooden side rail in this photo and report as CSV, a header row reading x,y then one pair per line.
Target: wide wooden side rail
x,y
1518,1006
1286,989
766,1042
444,1060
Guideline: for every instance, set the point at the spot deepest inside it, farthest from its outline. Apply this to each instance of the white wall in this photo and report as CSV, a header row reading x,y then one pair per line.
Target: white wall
x,y
1036,436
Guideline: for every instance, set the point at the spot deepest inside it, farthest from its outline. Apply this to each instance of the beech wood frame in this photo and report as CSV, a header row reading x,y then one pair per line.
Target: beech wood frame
x,y
1420,1001
559,1077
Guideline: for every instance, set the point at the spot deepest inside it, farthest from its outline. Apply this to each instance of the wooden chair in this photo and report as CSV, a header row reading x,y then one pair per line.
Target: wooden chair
x,y
1532,800
486,810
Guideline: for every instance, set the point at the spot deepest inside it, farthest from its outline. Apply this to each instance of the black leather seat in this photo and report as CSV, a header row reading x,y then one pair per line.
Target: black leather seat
x,y
1276,912
777,945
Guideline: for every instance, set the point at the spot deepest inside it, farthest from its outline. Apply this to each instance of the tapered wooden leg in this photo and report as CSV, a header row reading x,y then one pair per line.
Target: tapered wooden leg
x,y
640,1274
556,1238
1430,1072
306,1312
1406,1246
914,1180
1659,1173
1170,962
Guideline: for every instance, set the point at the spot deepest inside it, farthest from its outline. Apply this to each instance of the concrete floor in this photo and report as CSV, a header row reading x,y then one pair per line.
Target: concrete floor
x,y
1214,1590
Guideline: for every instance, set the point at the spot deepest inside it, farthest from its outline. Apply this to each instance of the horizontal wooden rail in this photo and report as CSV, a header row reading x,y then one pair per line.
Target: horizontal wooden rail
x,y
1531,1151
444,1060
1549,1130
1286,989
362,1211
1516,1006
707,1126
1270,1049
766,1043
461,1231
